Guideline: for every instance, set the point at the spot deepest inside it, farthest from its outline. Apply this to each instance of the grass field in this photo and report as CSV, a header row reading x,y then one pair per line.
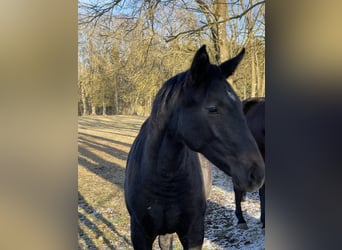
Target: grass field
x,y
103,146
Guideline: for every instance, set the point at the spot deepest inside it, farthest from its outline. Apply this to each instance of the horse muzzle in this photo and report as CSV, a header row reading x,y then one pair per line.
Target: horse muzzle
x,y
253,179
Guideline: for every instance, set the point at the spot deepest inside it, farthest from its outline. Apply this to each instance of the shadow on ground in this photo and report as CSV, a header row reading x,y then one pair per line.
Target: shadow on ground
x,y
87,215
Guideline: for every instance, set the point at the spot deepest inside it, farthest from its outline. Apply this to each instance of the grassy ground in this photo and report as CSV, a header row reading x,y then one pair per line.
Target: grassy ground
x,y
103,145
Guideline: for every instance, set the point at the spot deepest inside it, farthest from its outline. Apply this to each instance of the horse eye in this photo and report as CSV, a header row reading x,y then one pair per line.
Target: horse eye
x,y
212,109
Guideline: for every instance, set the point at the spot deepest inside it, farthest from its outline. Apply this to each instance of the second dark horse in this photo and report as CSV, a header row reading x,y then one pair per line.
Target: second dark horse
x,y
254,110
194,112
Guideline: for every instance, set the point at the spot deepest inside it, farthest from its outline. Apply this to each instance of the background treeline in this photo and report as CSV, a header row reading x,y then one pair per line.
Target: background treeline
x,y
127,49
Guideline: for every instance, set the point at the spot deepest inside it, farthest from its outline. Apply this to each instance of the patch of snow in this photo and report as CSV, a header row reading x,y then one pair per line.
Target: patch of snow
x,y
221,231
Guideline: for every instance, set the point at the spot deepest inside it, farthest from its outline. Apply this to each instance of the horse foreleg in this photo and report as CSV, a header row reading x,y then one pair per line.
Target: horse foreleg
x,y
192,238
262,204
189,245
165,241
238,211
140,240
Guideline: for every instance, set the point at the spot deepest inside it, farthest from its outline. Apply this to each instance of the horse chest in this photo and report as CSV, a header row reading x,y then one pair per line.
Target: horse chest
x,y
169,204
167,217
164,218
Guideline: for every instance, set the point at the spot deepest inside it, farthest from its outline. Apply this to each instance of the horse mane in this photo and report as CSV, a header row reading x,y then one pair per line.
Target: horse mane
x,y
166,97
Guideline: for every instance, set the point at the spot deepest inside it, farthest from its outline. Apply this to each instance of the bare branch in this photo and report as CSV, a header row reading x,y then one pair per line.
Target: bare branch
x,y
95,11
209,24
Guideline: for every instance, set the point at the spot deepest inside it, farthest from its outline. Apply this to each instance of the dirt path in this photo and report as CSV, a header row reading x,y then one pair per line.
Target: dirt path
x,y
103,144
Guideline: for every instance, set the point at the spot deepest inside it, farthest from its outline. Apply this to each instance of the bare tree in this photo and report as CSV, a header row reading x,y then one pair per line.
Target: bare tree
x,y
127,49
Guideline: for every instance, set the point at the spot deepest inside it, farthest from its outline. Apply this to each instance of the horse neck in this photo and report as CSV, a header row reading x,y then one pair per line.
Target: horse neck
x,y
166,148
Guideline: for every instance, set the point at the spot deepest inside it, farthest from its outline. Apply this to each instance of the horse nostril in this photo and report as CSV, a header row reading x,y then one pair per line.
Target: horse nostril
x,y
252,176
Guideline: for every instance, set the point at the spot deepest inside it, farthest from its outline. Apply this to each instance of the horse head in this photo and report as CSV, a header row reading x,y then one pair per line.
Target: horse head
x,y
210,120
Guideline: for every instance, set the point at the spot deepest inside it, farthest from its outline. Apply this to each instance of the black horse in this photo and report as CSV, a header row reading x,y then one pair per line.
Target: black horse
x,y
254,110
194,112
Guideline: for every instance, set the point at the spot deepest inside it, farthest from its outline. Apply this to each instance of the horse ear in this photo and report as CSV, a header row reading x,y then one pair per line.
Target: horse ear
x,y
199,64
228,67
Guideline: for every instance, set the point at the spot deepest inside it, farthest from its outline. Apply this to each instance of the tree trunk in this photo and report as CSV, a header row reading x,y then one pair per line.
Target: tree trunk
x,y
244,92
83,99
253,79
218,30
116,101
84,104
221,12
263,87
134,105
93,110
258,75
104,109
